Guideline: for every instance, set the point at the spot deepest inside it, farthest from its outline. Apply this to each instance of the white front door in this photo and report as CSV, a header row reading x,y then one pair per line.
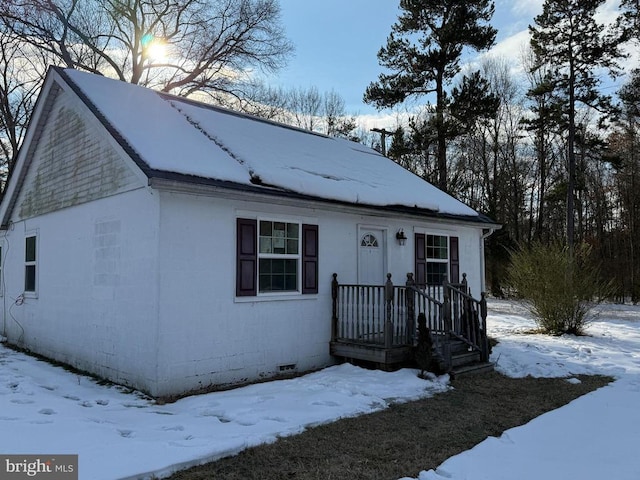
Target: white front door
x,y
371,257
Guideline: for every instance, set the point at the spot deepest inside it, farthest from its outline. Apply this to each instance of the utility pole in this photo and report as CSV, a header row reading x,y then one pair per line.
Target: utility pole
x,y
383,140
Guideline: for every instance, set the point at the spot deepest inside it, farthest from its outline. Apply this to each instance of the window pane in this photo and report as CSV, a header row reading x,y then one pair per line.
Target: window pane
x,y
292,246
278,245
279,237
279,229
369,240
265,228
436,273
277,266
265,266
30,278
277,275
437,247
265,245
265,283
277,283
30,250
292,230
290,283
290,266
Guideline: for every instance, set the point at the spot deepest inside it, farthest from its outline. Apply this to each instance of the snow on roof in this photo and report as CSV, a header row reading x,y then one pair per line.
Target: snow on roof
x,y
172,134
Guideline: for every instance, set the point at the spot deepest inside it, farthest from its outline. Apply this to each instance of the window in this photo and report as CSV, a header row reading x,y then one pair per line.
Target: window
x,y
369,240
30,271
275,256
436,259
278,256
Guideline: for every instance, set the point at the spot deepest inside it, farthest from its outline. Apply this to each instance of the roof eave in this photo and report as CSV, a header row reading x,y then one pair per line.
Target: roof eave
x,y
177,182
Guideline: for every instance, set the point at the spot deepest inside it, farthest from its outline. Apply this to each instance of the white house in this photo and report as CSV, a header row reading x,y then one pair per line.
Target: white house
x,y
173,246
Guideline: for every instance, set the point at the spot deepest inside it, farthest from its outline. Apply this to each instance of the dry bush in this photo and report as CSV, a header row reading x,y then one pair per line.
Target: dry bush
x,y
560,287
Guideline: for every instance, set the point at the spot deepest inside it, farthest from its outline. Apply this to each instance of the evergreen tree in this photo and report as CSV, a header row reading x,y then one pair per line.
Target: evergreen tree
x,y
472,102
625,147
544,125
423,54
629,20
574,46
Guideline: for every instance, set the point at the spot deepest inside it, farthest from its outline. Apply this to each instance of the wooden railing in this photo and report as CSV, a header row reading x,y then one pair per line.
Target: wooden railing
x,y
371,314
468,317
386,315
429,300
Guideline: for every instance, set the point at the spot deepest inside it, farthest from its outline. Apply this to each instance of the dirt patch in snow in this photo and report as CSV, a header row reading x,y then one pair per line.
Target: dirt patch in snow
x,y
405,438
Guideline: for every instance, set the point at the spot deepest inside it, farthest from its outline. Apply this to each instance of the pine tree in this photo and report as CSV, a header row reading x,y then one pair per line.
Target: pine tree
x,y
569,41
423,54
629,19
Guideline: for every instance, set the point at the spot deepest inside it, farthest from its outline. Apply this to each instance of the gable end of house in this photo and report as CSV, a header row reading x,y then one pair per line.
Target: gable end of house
x,y
69,161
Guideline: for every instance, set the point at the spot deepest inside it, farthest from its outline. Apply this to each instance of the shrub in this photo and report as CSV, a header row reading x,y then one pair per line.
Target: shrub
x,y
560,288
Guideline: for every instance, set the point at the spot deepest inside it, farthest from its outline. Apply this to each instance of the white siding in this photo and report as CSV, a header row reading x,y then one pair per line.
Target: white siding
x,y
209,337
96,303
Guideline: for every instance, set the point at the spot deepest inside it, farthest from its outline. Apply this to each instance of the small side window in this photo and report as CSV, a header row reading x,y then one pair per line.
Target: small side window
x,y
30,264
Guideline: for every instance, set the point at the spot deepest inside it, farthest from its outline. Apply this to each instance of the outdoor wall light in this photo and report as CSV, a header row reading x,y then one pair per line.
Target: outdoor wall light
x,y
401,237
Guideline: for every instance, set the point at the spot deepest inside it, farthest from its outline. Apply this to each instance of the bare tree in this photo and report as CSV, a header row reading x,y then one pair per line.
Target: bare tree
x,y
211,45
338,123
20,70
305,108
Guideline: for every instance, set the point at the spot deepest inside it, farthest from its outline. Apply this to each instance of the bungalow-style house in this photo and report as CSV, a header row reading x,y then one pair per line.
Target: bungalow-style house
x,y
174,246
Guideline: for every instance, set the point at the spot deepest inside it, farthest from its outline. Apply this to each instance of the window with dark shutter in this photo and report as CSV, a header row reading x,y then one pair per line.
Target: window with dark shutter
x,y
436,259
454,260
275,257
421,259
309,259
246,257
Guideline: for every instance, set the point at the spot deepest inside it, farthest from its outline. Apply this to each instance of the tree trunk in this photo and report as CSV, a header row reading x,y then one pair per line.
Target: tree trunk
x,y
441,133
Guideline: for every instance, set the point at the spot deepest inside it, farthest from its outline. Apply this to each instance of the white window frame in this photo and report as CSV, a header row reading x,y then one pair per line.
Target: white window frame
x,y
445,261
286,256
31,263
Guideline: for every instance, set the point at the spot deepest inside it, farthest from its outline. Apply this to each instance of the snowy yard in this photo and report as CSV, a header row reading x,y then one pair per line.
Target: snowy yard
x,y
45,409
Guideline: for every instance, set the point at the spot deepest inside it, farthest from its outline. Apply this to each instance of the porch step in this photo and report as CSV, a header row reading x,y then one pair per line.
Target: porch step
x,y
464,358
458,346
471,369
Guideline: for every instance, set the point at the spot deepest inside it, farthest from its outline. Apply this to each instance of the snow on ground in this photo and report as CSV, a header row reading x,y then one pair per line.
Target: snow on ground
x,y
595,436
119,434
47,410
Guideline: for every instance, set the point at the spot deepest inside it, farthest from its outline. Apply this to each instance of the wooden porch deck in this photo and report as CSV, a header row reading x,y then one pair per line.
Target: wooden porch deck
x,y
379,324
376,354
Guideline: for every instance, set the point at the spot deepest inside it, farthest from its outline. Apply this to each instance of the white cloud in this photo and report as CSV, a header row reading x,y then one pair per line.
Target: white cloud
x,y
608,13
523,8
386,120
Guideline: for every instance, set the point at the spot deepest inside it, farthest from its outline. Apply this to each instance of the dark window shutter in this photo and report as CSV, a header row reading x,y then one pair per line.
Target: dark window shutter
x,y
454,260
421,259
309,259
246,257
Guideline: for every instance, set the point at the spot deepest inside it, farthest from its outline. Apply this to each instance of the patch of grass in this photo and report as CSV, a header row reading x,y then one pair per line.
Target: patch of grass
x,y
405,438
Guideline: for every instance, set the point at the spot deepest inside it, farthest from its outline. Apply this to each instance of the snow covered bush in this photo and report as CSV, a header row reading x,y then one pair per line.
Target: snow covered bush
x,y
560,288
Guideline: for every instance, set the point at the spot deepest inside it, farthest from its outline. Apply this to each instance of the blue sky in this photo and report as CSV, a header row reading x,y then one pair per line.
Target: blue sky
x,y
337,41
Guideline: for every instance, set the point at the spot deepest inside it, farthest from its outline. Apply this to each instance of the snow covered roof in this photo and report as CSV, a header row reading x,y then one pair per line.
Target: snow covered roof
x,y
176,135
